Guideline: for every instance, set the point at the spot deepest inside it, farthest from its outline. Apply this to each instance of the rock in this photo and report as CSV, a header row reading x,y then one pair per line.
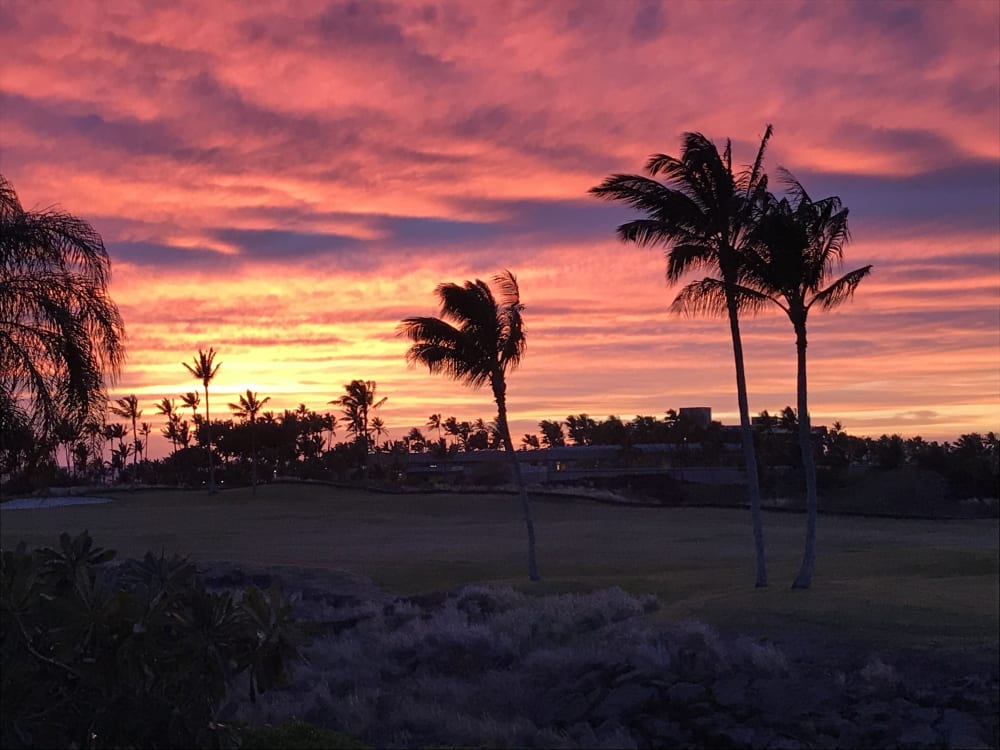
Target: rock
x,y
919,736
623,701
730,691
739,736
663,733
959,729
568,708
772,696
684,693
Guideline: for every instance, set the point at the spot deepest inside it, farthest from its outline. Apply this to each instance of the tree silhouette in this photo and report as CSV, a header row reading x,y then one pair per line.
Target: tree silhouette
x,y
60,332
703,214
145,429
192,400
168,408
204,369
795,248
128,408
357,404
478,340
248,408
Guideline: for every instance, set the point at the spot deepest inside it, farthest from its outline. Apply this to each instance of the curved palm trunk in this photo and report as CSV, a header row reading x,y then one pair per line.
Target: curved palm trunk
x,y
749,453
501,399
804,578
208,429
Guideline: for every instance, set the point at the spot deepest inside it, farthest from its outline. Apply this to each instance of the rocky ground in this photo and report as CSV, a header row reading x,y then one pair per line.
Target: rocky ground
x,y
489,666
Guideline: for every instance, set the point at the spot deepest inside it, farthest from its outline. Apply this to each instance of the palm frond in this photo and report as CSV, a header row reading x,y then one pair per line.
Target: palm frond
x,y
709,296
841,290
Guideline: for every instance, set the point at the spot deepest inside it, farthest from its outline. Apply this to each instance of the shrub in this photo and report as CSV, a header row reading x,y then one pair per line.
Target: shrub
x,y
133,655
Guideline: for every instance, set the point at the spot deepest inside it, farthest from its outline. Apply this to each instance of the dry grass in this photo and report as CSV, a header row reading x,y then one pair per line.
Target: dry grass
x,y
880,579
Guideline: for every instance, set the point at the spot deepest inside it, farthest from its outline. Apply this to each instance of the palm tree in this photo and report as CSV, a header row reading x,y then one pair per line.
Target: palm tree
x,y
145,429
128,408
168,408
797,244
478,339
192,400
703,214
357,403
434,422
60,332
379,428
248,408
204,369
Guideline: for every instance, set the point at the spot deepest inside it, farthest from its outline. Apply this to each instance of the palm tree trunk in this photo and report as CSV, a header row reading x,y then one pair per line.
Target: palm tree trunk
x,y
498,394
253,458
749,453
135,453
804,578
208,429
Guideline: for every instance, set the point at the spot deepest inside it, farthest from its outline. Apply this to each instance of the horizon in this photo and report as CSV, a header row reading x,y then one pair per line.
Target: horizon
x,y
286,188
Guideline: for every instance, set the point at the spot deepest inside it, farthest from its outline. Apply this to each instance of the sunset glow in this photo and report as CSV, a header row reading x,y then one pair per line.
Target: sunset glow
x,y
285,181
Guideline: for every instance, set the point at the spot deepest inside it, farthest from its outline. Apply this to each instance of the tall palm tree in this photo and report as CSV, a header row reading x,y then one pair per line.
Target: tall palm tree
x,y
248,408
60,332
145,429
796,247
434,422
204,369
478,340
357,403
128,408
703,214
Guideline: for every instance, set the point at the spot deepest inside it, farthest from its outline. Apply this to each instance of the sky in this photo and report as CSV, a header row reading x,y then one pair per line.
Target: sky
x,y
286,181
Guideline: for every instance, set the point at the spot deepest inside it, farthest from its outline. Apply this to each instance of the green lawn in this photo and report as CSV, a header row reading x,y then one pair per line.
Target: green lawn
x,y
920,582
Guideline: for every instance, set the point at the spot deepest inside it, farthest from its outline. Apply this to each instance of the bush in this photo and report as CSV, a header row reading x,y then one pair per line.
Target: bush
x,y
133,655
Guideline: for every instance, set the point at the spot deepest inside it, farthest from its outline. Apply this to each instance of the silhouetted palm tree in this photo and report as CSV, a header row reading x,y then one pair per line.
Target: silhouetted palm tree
x,y
478,339
357,403
128,408
60,332
248,408
797,244
434,422
168,408
204,369
145,429
703,214
192,400
379,428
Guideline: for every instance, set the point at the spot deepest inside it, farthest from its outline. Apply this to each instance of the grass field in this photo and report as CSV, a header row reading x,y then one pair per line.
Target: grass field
x,y
880,580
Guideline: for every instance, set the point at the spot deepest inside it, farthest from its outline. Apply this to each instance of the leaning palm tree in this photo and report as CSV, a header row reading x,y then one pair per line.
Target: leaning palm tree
x,y
703,214
478,340
128,408
60,332
248,408
795,248
204,369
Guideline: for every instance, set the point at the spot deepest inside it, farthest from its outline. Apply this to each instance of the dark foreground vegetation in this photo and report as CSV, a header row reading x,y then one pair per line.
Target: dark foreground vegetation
x,y
151,652
132,655
490,666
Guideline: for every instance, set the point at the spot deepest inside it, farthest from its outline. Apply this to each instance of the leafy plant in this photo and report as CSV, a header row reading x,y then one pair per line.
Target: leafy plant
x,y
134,655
